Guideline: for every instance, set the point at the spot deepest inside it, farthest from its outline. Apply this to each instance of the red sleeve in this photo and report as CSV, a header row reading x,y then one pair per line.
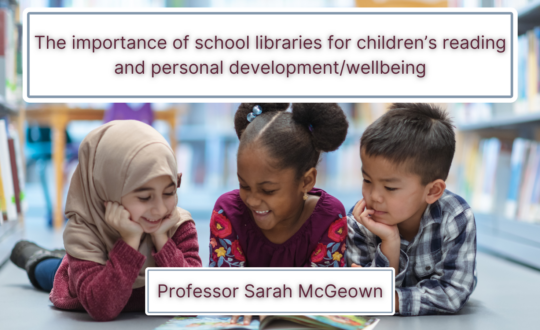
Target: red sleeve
x,y
330,252
104,290
181,250
225,249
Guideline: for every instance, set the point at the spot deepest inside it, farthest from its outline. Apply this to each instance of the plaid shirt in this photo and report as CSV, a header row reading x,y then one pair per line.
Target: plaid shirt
x,y
437,269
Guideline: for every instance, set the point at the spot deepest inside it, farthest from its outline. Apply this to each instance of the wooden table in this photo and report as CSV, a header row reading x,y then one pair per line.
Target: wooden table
x,y
57,117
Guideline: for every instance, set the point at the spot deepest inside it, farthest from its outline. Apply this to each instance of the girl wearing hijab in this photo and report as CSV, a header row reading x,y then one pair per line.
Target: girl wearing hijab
x,y
123,218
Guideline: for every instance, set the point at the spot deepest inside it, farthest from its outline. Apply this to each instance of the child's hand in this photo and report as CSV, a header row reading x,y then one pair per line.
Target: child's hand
x,y
167,223
363,216
159,237
119,218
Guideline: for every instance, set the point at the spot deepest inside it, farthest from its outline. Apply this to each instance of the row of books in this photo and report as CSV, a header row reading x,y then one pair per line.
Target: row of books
x,y
211,164
499,176
208,146
96,3
477,112
464,114
219,117
183,3
528,62
528,87
489,3
11,173
528,78
528,73
270,3
10,58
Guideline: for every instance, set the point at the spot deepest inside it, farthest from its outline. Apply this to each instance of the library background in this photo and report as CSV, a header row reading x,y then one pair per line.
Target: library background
x,y
496,166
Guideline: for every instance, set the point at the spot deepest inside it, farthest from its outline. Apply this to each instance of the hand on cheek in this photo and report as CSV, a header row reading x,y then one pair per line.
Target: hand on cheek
x,y
119,218
389,234
166,223
159,237
363,216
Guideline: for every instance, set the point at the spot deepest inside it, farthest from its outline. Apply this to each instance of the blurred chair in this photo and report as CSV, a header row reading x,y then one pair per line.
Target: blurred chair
x,y
38,151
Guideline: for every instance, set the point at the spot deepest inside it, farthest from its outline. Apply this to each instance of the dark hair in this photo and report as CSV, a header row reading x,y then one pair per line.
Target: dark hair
x,y
418,134
294,139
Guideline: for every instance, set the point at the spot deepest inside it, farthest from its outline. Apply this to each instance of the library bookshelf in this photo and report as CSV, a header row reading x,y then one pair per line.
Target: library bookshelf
x,y
207,153
11,230
208,145
515,236
510,234
12,116
529,16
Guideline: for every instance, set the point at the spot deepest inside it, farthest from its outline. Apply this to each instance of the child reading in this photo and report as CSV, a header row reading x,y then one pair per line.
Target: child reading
x,y
123,218
407,219
278,218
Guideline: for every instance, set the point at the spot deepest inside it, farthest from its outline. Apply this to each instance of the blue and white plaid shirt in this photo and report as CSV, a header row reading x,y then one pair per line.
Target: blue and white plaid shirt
x,y
437,269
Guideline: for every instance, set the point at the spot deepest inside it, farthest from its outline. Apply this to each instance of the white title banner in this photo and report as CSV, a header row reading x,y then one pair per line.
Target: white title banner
x,y
262,291
218,55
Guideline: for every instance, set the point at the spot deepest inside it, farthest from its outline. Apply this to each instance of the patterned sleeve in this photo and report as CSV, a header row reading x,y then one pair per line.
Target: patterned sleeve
x,y
449,288
225,250
330,252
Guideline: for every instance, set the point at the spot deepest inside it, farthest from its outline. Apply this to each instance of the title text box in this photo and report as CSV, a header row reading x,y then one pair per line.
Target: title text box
x,y
170,55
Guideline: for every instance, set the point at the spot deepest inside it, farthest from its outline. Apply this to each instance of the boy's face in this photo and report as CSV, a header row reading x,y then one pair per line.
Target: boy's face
x,y
396,194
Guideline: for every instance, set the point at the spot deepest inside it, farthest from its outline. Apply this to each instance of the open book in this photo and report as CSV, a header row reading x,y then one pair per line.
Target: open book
x,y
347,322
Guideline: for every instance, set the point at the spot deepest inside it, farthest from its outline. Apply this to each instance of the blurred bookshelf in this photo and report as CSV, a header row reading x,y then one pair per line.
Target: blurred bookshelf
x,y
529,16
481,172
504,122
497,170
7,110
208,146
497,163
12,117
487,135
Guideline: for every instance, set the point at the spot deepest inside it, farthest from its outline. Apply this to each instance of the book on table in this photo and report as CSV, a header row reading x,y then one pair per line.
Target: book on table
x,y
289,322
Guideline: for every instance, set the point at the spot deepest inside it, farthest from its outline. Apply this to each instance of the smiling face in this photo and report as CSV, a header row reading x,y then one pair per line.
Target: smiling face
x,y
151,203
396,194
274,196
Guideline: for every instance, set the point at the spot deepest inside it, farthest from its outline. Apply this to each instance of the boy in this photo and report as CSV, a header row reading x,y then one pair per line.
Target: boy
x,y
407,219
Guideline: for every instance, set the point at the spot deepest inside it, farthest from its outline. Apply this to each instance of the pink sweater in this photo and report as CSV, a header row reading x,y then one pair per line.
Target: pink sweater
x,y
106,290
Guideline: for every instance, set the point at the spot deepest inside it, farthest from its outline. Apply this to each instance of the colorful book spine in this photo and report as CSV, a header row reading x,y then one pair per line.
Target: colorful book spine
x,y
527,187
20,165
532,70
3,204
519,152
534,211
7,176
15,175
490,157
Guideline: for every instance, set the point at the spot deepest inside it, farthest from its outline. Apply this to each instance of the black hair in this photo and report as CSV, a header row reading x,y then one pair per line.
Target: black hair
x,y
293,139
420,135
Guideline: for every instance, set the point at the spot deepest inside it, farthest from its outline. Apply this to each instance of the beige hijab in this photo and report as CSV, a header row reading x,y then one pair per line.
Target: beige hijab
x,y
114,160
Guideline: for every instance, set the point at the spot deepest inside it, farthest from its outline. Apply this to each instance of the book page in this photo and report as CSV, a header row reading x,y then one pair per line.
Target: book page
x,y
206,323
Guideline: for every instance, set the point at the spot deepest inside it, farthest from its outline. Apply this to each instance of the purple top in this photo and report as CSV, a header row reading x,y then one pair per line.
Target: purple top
x,y
236,241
